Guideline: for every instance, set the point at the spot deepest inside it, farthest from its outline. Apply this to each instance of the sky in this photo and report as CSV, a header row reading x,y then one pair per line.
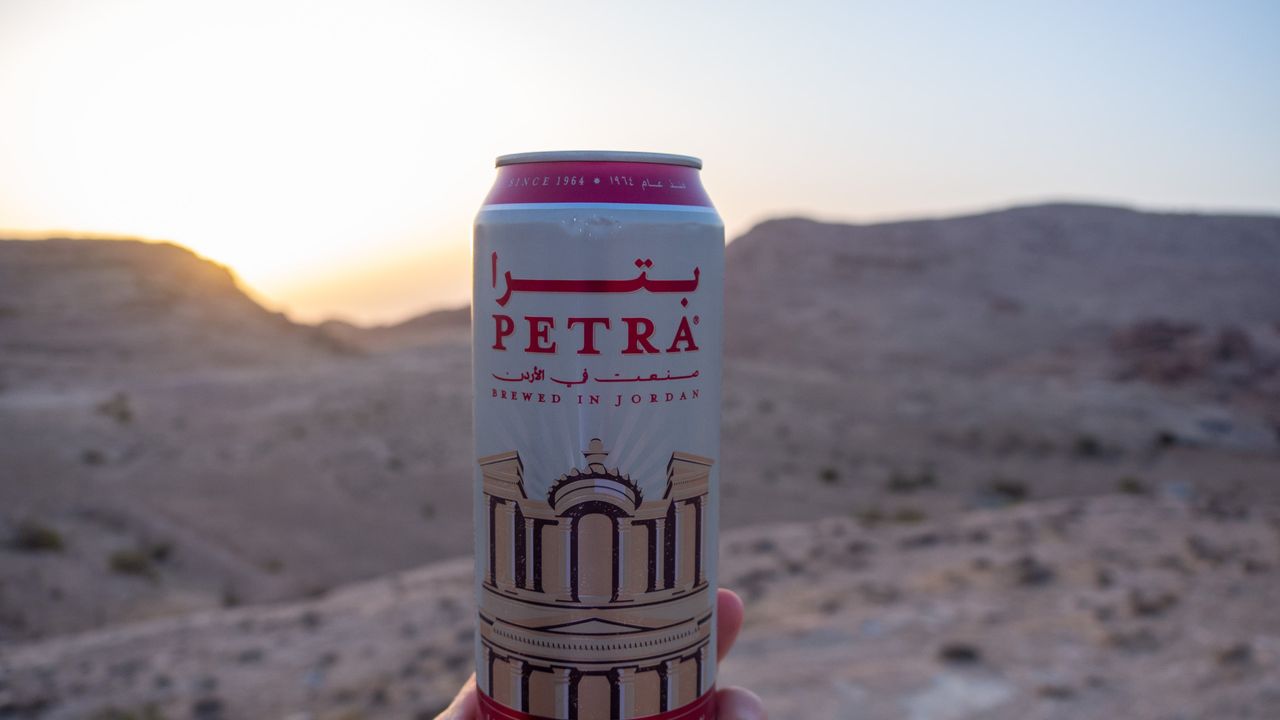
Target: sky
x,y
334,154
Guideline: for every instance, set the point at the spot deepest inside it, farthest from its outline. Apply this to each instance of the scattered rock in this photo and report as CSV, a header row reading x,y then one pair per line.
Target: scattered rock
x,y
457,662
310,619
1030,572
208,709
1144,604
1006,491
919,541
1141,640
879,594
1056,692
1236,655
93,456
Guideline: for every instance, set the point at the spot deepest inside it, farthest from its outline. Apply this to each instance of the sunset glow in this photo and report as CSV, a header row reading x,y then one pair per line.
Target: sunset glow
x,y
334,153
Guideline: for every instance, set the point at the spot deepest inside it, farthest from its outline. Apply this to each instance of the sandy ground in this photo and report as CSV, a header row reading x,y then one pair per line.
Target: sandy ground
x,y
1121,606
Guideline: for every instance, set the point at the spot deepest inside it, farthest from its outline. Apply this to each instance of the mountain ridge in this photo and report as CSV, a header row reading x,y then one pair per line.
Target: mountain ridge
x,y
889,372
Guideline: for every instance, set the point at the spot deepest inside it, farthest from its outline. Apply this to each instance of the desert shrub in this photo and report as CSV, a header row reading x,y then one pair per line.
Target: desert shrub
x,y
869,517
159,551
117,407
34,536
210,708
1009,490
92,456
1130,485
140,560
909,516
1056,692
829,475
1088,446
149,712
960,653
134,562
909,482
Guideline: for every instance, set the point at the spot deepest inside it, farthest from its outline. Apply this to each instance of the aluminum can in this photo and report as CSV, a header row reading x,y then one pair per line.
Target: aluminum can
x,y
597,330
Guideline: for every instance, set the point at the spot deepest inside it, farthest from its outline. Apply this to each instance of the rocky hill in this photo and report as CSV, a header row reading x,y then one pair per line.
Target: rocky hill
x,y
441,326
170,452
76,310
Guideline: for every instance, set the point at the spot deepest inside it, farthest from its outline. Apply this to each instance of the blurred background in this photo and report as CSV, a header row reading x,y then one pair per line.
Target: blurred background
x,y
1002,393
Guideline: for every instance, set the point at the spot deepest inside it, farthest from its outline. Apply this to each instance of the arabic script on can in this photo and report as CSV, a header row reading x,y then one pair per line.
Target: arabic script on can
x,y
597,332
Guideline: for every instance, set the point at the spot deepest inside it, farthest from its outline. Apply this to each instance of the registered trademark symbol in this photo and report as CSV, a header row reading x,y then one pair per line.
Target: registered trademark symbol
x,y
696,319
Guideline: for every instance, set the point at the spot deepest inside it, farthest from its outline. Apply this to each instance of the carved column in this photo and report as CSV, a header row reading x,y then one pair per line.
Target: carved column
x,y
625,552
504,539
659,553
520,671
561,689
703,666
487,670
670,560
622,693
575,678
492,529
557,554
530,563
669,676
699,539
683,548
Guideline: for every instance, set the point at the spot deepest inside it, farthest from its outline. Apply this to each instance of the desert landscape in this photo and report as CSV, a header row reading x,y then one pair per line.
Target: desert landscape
x,y
1020,464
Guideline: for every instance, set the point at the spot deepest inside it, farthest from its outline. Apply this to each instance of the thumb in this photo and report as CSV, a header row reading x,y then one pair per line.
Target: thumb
x,y
737,703
463,706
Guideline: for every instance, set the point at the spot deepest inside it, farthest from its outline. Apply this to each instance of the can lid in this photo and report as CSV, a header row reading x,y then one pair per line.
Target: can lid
x,y
598,156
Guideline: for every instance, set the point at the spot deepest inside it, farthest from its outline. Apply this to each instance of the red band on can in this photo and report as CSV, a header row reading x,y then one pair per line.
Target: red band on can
x,y
704,708
598,182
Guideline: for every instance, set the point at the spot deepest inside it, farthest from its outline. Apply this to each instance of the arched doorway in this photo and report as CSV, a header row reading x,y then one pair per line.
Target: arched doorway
x,y
593,561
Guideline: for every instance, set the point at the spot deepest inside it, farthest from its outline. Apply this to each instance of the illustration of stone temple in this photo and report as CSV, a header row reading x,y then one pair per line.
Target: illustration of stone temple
x,y
595,602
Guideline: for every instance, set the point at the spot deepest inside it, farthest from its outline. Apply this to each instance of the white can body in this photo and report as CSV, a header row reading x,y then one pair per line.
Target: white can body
x,y
597,362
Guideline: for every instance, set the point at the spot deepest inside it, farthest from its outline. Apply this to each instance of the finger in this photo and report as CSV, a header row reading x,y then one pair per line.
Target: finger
x,y
729,615
737,703
464,705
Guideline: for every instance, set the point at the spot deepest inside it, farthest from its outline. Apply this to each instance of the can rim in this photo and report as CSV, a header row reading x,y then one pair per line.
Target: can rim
x,y
598,156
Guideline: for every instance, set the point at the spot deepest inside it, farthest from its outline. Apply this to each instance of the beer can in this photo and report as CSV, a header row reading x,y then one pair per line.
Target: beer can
x,y
597,333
